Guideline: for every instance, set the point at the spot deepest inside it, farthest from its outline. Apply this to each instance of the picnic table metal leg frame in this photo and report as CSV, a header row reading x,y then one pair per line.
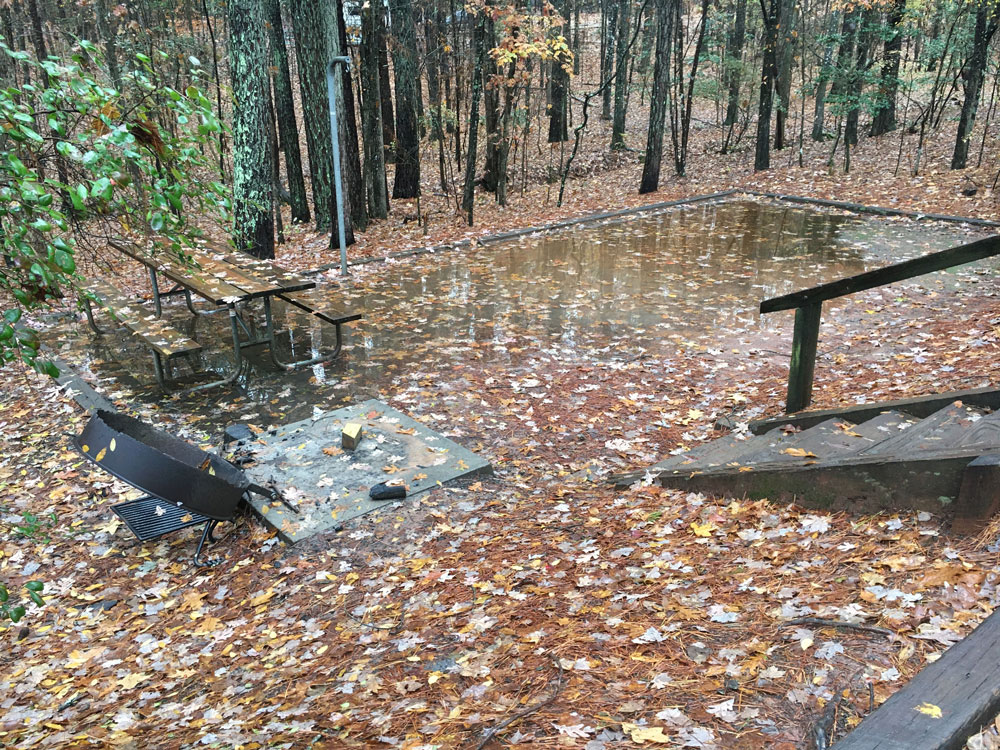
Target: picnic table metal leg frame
x,y
160,370
156,292
318,359
90,316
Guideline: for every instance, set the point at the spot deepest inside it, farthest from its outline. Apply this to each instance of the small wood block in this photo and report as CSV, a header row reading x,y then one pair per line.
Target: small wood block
x,y
979,496
350,436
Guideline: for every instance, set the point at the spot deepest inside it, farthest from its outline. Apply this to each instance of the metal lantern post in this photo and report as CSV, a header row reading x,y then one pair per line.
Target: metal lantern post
x,y
331,92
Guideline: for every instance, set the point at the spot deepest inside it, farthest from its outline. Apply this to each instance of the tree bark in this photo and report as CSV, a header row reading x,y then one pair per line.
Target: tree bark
x,y
884,120
621,77
288,130
347,123
479,45
609,13
734,62
771,10
658,99
384,87
253,222
783,85
376,189
407,183
312,53
558,130
107,30
973,72
819,108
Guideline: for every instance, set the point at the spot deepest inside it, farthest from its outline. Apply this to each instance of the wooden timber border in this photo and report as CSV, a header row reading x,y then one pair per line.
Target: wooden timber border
x,y
948,701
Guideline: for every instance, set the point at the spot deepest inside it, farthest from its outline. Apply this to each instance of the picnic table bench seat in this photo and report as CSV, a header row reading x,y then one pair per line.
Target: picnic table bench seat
x,y
165,341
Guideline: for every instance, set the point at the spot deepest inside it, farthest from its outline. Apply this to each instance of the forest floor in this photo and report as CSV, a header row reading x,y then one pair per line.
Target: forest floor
x,y
535,608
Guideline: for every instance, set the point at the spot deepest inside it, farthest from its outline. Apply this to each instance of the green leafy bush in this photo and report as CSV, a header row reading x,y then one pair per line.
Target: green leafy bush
x,y
13,611
81,162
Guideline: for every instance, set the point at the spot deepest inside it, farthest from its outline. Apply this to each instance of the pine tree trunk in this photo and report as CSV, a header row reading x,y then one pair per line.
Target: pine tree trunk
x,y
819,108
479,50
609,10
772,21
384,87
658,99
311,51
347,122
407,183
376,188
734,62
491,116
621,76
253,222
783,85
288,130
884,120
972,78
558,130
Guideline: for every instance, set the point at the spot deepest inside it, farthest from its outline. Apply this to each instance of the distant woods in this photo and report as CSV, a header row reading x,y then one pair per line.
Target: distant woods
x,y
477,100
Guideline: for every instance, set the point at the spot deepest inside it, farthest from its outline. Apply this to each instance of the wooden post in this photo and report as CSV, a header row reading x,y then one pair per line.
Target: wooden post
x,y
800,372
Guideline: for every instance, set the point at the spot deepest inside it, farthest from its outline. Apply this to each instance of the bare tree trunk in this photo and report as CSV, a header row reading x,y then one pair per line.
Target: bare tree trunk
x,y
734,62
479,45
972,78
884,120
621,77
407,182
819,108
287,127
376,188
558,130
665,12
771,10
253,222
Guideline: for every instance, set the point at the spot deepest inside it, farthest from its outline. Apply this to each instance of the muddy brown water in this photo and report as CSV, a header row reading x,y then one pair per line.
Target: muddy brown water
x,y
688,279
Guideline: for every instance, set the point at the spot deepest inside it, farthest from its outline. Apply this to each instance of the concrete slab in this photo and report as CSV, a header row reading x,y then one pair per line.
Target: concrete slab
x,y
329,485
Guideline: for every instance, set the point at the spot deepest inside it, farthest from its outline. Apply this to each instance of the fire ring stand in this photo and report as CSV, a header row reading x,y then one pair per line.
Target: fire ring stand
x,y
185,486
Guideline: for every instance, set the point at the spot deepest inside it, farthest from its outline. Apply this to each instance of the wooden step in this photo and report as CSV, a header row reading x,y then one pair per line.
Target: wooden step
x,y
939,433
678,462
822,442
155,333
886,425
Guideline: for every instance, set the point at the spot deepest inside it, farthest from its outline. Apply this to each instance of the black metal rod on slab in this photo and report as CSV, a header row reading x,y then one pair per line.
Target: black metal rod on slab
x,y
803,364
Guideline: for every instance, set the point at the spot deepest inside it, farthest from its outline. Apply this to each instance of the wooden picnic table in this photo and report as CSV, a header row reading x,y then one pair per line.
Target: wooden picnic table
x,y
230,281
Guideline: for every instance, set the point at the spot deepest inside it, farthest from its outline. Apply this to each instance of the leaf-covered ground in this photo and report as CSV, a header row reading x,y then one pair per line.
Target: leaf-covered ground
x,y
539,608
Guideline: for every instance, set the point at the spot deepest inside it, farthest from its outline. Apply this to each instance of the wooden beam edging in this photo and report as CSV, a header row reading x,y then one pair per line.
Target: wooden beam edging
x,y
944,704
918,406
878,210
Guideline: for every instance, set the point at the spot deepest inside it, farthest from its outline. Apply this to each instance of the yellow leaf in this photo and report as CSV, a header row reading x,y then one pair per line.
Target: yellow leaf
x,y
799,452
129,681
703,529
261,598
101,453
644,734
929,709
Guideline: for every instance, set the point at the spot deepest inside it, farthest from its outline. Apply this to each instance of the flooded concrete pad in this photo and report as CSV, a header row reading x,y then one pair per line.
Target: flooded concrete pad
x,y
329,485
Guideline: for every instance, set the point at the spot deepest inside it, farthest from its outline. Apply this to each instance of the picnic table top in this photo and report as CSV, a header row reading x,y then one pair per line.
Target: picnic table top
x,y
222,277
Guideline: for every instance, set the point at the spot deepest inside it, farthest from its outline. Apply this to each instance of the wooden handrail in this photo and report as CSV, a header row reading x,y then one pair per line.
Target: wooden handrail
x,y
808,306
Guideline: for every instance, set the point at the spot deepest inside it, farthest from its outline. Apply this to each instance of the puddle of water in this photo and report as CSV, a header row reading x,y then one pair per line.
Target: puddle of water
x,y
690,278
